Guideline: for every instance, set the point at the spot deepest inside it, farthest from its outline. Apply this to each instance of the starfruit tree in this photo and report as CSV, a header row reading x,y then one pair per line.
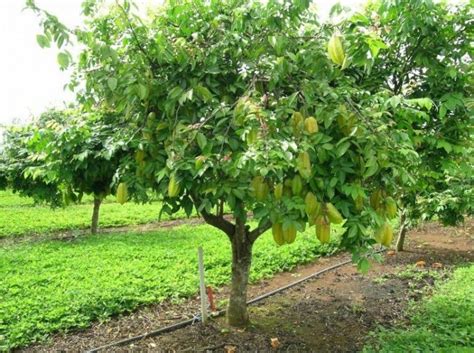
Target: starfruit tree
x,y
424,57
80,152
16,157
62,155
241,104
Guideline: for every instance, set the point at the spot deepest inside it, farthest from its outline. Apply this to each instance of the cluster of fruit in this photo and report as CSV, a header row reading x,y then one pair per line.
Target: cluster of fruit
x,y
386,207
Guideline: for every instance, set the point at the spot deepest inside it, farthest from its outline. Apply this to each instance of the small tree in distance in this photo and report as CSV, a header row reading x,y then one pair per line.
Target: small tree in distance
x,y
15,159
62,156
82,153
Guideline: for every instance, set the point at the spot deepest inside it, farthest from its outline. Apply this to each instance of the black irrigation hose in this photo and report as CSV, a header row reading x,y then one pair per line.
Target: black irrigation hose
x,y
281,289
165,329
185,323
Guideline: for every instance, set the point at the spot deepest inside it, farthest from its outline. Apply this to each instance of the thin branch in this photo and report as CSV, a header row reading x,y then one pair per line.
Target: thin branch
x,y
218,222
255,233
409,61
139,45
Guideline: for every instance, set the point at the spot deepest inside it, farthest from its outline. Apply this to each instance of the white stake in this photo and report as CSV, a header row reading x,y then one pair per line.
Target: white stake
x,y
202,286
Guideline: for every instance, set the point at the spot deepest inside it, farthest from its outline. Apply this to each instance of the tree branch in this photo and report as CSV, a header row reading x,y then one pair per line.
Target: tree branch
x,y
140,47
405,69
218,222
255,233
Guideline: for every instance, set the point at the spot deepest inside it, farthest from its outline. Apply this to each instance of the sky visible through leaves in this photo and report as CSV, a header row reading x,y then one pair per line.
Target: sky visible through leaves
x,y
31,80
30,77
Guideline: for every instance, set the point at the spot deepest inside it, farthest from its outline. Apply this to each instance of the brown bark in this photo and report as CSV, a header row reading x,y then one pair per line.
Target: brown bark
x,y
219,222
242,240
237,315
95,215
402,232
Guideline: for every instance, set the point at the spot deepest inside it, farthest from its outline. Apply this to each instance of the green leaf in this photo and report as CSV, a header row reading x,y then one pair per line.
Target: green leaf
x,y
175,92
239,194
63,60
421,102
442,111
371,170
363,265
186,96
394,101
43,41
201,140
203,93
375,44
112,83
142,91
445,145
341,149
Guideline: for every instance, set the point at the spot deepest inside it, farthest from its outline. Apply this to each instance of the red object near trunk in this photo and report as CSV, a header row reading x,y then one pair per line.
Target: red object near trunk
x,y
210,297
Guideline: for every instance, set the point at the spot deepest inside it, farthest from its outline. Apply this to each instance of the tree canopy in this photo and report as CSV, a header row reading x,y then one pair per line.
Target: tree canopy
x,y
64,155
427,58
261,108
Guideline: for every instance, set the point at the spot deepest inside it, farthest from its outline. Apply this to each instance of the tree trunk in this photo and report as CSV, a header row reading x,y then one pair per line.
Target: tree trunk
x,y
95,215
402,233
237,315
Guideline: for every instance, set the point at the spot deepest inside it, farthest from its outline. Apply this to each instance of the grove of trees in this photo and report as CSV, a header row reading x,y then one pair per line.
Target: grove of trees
x,y
259,107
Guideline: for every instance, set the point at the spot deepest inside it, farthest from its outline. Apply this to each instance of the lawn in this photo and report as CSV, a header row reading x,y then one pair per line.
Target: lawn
x,y
58,285
443,322
19,215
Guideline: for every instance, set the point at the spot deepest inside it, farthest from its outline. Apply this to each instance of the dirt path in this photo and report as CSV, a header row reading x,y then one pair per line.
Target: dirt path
x,y
332,313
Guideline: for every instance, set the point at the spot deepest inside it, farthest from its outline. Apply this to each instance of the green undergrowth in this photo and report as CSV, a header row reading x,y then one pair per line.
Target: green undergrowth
x,y
59,285
19,216
441,322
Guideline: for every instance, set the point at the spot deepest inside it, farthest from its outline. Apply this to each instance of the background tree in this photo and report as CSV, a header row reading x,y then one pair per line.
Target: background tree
x,y
16,158
424,57
3,172
238,103
82,154
62,156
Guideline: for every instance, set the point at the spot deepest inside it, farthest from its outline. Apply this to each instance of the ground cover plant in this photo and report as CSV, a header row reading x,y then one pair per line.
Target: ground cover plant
x,y
59,285
442,322
20,216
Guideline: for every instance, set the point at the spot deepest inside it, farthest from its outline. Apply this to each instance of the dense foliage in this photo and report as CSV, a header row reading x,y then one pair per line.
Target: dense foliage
x,y
426,58
64,155
16,158
259,107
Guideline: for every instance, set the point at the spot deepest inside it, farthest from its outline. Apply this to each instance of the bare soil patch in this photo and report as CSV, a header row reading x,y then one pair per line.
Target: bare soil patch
x,y
331,313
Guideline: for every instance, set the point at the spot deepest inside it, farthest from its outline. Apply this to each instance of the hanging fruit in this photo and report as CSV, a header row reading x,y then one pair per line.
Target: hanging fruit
x,y
122,193
311,125
333,214
335,49
173,187
303,165
323,229
277,231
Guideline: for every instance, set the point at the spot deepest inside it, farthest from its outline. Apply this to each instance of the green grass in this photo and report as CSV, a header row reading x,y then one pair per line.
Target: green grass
x,y
19,216
58,285
443,322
